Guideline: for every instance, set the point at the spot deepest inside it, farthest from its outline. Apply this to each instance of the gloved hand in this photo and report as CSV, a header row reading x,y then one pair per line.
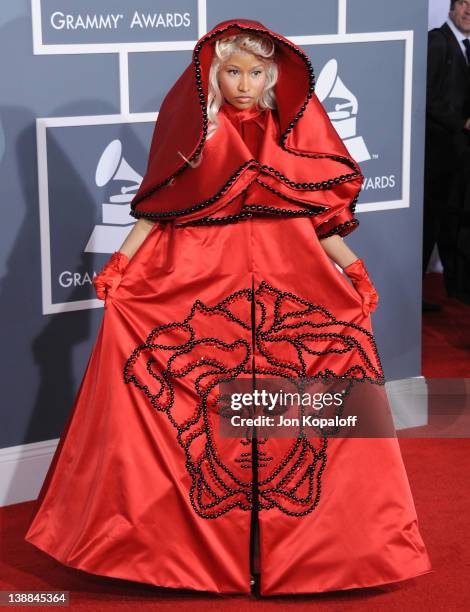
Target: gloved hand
x,y
110,276
360,279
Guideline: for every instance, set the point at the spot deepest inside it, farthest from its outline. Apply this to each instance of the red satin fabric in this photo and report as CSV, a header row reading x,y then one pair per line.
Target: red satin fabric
x,y
142,487
111,274
250,123
300,147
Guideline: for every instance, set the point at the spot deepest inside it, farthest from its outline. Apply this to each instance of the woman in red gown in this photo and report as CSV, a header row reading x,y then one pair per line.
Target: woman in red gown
x,y
229,274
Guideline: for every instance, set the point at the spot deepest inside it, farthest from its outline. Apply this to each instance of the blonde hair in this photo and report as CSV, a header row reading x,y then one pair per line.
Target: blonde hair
x,y
261,46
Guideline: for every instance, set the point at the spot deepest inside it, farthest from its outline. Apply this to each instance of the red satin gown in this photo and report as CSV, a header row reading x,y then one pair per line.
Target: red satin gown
x,y
142,488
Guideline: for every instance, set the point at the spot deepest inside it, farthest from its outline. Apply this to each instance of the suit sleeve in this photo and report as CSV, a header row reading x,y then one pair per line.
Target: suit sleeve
x,y
438,107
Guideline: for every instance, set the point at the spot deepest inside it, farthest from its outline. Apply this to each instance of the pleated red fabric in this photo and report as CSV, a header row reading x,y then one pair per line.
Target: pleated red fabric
x,y
303,168
143,486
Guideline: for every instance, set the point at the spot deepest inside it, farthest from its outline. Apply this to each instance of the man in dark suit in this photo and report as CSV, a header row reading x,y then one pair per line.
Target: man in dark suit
x,y
447,124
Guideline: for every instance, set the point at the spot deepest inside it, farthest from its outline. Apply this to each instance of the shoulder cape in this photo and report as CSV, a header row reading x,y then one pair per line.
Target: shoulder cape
x,y
304,169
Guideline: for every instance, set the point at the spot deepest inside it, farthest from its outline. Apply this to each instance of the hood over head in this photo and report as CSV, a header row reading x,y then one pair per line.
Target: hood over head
x,y
303,163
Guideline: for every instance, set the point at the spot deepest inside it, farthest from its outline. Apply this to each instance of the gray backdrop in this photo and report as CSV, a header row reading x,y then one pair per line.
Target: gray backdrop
x,y
78,101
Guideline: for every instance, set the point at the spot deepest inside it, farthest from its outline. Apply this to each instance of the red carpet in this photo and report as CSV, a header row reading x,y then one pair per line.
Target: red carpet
x,y
446,333
438,472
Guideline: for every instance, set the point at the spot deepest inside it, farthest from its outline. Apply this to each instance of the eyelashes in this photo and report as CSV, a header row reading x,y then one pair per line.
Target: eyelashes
x,y
235,71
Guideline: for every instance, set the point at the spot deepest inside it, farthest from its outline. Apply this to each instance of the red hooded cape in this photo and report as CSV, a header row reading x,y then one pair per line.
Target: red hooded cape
x,y
303,168
148,483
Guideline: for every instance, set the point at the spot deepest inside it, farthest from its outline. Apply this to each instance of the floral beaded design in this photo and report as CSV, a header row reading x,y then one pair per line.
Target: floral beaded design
x,y
267,332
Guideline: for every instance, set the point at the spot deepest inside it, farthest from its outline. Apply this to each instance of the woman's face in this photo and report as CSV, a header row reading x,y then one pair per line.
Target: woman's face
x,y
241,79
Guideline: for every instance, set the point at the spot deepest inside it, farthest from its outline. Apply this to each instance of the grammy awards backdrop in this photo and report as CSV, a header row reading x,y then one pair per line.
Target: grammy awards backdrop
x,y
81,92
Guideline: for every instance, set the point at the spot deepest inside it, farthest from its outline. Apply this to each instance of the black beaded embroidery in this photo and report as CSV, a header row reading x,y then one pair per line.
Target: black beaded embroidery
x,y
319,209
205,121
261,209
311,186
174,351
256,208
200,205
342,229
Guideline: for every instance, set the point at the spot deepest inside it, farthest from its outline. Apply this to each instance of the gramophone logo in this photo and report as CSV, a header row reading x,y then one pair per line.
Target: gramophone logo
x,y
108,236
330,87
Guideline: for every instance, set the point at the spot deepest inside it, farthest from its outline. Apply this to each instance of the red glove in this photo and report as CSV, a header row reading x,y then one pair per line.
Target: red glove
x,y
110,276
360,279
